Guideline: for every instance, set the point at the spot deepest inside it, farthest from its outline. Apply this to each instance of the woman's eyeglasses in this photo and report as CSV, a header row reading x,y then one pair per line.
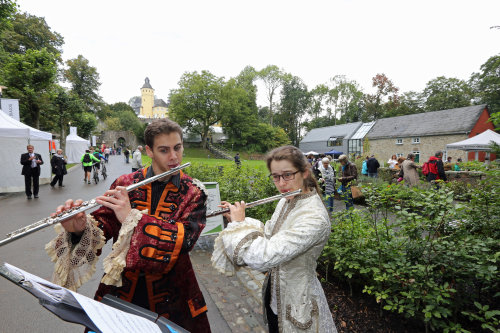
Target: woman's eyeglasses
x,y
286,176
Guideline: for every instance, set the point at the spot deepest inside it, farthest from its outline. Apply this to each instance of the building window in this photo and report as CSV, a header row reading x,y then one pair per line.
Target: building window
x,y
334,141
399,141
398,155
417,156
415,140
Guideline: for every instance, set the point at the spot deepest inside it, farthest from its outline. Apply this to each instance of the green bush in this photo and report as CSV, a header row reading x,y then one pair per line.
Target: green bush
x,y
423,255
246,183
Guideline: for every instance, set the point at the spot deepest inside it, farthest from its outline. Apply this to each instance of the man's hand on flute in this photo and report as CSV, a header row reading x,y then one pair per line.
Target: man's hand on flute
x,y
75,224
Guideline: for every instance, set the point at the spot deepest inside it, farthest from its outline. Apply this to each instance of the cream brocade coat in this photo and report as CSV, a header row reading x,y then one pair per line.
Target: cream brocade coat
x,y
288,246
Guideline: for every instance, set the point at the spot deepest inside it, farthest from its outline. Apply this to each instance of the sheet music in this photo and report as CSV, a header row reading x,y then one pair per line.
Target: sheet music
x,y
106,318
112,320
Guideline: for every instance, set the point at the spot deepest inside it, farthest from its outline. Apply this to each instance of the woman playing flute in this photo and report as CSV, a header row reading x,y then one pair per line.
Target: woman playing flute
x,y
286,247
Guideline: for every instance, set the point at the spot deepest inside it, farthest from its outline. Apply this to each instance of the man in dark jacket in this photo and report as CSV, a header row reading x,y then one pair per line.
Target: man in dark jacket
x,y
58,163
436,167
372,166
31,162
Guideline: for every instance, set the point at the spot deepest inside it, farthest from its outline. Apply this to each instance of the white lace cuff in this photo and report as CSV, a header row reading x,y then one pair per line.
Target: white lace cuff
x,y
115,262
75,264
232,242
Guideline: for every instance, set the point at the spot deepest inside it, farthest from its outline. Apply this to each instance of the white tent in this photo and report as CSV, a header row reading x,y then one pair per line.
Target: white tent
x,y
480,142
14,137
75,147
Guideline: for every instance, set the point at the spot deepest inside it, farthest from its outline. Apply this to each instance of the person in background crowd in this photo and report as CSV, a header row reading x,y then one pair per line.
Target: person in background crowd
x,y
409,171
237,160
286,247
372,164
31,162
392,162
364,167
107,151
436,168
349,173
58,163
448,165
327,182
87,160
456,167
126,152
137,159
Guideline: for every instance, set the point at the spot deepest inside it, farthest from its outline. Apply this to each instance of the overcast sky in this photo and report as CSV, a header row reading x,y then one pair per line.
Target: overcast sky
x,y
412,42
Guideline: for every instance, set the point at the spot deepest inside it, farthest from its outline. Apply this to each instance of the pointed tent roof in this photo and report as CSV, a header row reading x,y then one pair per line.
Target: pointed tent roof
x,y
480,142
147,84
9,127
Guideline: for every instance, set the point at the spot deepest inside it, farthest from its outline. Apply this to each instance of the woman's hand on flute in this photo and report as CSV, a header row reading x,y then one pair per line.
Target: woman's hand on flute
x,y
116,200
75,224
236,211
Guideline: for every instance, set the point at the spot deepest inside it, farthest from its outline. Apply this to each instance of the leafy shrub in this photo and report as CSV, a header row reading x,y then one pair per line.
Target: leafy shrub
x,y
421,254
236,184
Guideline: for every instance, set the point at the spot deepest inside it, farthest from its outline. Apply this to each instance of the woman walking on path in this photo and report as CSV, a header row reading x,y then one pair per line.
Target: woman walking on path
x,y
286,247
58,163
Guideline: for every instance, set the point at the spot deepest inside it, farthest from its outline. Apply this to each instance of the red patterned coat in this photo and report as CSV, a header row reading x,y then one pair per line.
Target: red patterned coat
x,y
158,273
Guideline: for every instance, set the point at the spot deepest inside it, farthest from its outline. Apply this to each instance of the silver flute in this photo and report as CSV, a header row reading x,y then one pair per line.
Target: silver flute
x,y
256,203
86,205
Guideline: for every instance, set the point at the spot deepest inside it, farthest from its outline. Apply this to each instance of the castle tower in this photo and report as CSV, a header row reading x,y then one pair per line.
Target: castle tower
x,y
147,99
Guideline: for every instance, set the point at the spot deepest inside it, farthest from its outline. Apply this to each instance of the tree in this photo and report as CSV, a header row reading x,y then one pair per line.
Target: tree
x,y
67,108
273,78
31,78
409,103
294,104
29,32
486,84
8,9
196,104
84,81
444,93
347,99
319,98
385,98
239,115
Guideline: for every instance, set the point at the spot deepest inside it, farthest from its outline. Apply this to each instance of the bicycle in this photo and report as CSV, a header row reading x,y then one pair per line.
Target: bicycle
x,y
95,174
104,172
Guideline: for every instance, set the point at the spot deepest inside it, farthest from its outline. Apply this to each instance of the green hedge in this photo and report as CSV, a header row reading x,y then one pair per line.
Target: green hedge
x,y
247,183
421,254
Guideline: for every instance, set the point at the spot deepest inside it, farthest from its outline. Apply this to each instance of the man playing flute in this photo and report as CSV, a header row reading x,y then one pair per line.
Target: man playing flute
x,y
153,229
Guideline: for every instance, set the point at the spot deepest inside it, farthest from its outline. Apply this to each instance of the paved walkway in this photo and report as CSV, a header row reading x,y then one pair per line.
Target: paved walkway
x,y
233,302
237,298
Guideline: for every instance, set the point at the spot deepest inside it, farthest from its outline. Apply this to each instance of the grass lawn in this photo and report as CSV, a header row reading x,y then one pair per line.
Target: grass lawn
x,y
199,156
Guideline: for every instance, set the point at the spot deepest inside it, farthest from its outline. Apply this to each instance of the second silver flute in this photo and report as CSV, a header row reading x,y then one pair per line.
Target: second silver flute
x,y
86,205
256,203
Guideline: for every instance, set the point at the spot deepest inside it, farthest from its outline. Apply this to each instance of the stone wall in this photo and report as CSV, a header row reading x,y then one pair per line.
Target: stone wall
x,y
111,138
385,148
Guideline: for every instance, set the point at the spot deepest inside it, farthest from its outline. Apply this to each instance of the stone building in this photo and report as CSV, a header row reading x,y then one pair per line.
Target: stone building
x,y
147,106
425,133
324,139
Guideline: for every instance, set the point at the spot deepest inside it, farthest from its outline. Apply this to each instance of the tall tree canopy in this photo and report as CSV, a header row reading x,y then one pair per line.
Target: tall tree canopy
x,y
272,77
196,104
444,93
486,83
294,104
29,32
385,98
31,78
84,81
